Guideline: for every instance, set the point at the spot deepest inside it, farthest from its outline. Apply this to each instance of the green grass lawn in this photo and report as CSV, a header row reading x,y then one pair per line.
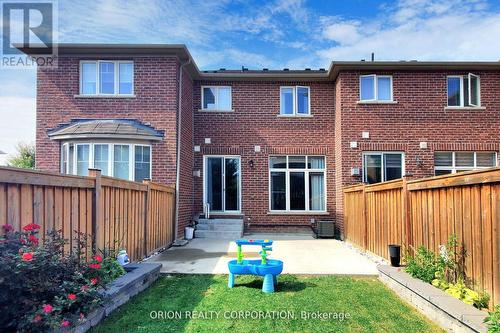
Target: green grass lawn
x,y
369,306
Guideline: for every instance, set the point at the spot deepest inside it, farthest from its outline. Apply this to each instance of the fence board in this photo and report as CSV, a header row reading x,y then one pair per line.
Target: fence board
x,y
427,212
114,213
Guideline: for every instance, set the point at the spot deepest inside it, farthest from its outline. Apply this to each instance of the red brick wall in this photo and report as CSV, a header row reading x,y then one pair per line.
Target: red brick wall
x,y
155,85
255,121
419,115
186,161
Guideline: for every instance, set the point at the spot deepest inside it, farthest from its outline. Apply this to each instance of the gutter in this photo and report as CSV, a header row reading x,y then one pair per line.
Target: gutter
x,y
178,172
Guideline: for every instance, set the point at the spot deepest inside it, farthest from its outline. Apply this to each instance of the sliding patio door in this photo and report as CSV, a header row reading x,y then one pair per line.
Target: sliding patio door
x,y
222,183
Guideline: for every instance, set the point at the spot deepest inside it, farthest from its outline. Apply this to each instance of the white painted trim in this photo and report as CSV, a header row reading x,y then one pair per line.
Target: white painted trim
x,y
375,99
382,162
478,90
111,145
240,191
454,168
116,93
295,100
217,109
306,171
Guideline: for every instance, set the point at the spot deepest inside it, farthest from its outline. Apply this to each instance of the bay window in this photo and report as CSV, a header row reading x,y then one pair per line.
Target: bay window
x,y
382,166
106,77
446,162
297,183
120,159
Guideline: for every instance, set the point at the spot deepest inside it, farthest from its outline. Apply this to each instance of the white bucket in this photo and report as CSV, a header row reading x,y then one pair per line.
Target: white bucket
x,y
189,232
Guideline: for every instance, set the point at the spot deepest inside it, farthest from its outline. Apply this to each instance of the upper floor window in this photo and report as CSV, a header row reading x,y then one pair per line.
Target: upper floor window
x,y
375,88
446,162
120,160
381,167
216,98
102,77
464,90
295,101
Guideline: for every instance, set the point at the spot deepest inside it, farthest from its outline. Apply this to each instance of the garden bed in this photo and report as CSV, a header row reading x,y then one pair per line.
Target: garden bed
x,y
448,311
118,292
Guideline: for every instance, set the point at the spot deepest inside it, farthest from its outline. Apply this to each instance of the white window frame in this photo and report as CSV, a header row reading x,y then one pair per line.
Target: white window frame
x,y
111,145
454,168
116,77
217,108
375,88
205,181
306,171
381,154
469,87
295,103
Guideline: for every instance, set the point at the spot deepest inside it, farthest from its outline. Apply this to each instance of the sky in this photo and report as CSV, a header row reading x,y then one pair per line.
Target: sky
x,y
275,34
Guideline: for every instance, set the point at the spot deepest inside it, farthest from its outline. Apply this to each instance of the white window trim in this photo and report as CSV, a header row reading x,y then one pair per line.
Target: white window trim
x,y
222,212
111,146
306,171
217,108
116,77
454,168
295,103
381,154
375,89
462,101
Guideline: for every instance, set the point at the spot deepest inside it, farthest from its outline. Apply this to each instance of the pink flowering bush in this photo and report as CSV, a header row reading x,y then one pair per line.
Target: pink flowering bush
x,y
41,286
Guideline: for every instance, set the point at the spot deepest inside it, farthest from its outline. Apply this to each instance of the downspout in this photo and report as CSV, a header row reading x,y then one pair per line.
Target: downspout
x,y
179,126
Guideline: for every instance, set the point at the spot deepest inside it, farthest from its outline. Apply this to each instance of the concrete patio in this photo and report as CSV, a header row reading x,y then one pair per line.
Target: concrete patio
x,y
301,254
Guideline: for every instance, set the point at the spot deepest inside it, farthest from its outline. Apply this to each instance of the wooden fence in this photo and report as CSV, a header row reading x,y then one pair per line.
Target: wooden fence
x,y
115,213
426,212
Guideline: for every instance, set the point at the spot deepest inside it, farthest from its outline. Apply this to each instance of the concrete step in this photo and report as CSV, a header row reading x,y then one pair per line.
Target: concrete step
x,y
221,221
217,234
219,227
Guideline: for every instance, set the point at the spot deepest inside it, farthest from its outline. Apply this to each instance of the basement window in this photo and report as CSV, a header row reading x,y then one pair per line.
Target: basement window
x,y
446,162
464,90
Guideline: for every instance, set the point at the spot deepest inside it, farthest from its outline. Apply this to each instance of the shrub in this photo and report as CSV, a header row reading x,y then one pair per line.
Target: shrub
x,y
42,287
493,320
446,271
424,264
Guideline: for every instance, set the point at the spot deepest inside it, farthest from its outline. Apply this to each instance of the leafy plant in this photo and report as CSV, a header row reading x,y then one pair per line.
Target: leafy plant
x,y
424,264
493,320
42,287
25,157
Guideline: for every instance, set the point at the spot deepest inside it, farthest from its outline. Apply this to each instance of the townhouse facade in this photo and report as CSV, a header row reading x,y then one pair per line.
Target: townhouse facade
x,y
274,147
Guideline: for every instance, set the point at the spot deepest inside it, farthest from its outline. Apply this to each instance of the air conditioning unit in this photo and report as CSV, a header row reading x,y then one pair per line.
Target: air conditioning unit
x,y
325,229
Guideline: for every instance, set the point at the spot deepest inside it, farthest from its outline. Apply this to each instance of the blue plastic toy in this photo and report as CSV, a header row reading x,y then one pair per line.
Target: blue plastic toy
x,y
268,268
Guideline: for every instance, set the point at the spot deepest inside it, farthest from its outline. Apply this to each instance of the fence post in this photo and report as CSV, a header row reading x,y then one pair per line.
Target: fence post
x,y
365,220
96,208
406,213
147,198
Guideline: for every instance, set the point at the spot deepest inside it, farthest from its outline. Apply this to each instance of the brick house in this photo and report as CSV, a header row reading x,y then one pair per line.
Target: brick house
x,y
271,147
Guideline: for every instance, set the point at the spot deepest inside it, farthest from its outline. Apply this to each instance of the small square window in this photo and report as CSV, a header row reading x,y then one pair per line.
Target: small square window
x,y
375,88
464,90
216,98
295,101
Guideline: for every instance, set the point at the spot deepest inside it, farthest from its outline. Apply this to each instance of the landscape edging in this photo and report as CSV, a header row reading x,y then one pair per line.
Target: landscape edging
x,y
447,311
